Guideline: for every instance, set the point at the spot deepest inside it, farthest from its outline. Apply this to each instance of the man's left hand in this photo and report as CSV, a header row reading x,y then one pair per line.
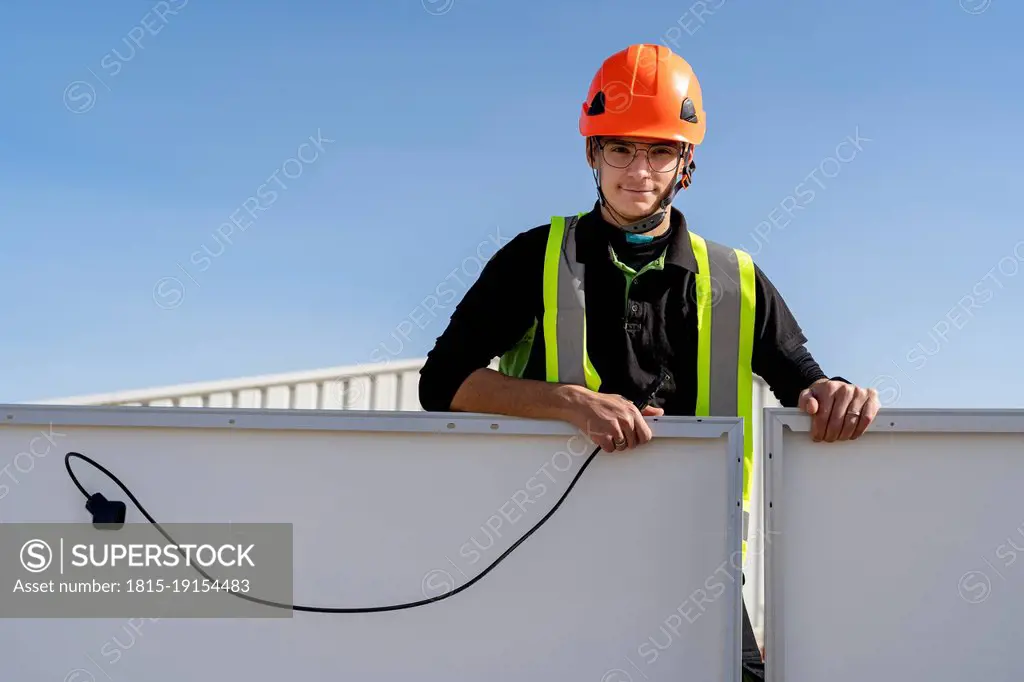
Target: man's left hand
x,y
839,411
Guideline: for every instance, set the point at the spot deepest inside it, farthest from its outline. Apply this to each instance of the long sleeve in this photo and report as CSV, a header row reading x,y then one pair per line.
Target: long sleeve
x,y
494,314
779,354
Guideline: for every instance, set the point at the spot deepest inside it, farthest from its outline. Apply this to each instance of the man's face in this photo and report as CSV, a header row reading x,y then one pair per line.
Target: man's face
x,y
631,184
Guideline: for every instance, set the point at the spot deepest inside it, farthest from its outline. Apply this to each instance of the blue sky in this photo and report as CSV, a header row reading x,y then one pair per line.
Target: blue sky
x,y
133,132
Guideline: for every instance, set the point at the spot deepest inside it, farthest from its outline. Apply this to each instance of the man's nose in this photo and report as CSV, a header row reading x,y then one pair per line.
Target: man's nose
x,y
639,167
639,163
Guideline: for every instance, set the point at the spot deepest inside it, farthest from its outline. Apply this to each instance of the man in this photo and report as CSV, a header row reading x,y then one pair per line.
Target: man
x,y
587,311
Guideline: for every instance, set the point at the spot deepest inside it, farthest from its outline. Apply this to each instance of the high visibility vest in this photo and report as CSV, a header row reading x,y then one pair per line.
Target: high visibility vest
x,y
726,301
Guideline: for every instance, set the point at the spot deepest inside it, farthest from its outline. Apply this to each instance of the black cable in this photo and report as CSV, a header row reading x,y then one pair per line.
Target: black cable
x,y
320,609
368,609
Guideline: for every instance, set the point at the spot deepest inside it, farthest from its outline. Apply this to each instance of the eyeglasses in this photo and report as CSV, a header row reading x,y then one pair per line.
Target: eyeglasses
x,y
662,158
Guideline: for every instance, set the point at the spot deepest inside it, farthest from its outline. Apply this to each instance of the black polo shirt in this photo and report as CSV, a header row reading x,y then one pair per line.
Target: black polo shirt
x,y
631,335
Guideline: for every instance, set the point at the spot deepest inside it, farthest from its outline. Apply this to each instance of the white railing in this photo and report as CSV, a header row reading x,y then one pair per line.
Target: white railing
x,y
381,386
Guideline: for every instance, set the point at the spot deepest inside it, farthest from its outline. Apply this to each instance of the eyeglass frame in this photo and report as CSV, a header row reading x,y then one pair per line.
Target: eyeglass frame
x,y
601,142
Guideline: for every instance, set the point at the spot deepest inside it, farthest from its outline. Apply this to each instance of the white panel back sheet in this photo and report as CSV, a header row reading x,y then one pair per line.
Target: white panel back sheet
x,y
615,586
898,556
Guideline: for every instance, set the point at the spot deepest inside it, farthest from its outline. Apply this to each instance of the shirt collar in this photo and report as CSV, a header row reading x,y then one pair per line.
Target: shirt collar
x,y
593,237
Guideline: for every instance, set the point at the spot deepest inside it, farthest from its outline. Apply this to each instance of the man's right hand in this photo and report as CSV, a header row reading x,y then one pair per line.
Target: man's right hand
x,y
611,421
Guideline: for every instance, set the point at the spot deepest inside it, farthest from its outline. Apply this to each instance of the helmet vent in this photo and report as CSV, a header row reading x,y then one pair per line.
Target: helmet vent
x,y
597,105
688,112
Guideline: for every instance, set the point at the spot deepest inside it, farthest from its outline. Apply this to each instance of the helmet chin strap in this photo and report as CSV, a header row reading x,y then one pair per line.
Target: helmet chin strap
x,y
643,225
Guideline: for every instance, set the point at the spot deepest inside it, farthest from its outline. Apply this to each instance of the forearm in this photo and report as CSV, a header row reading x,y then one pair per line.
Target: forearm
x,y
492,318
492,392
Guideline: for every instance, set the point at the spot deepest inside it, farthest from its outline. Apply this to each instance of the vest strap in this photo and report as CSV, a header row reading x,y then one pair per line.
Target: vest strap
x,y
726,304
565,323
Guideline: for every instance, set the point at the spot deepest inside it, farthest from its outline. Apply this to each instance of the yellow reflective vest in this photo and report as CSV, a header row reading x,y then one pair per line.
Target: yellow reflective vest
x,y
726,302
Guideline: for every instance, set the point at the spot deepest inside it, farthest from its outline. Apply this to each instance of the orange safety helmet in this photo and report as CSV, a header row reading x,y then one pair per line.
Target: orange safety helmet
x,y
645,90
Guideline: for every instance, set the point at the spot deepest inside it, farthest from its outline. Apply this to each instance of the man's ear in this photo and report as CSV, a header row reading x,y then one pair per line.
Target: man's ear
x,y
591,151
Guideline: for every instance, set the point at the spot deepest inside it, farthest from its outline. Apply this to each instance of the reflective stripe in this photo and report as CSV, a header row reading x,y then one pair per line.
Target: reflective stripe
x,y
704,302
725,334
565,323
745,375
551,272
593,379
